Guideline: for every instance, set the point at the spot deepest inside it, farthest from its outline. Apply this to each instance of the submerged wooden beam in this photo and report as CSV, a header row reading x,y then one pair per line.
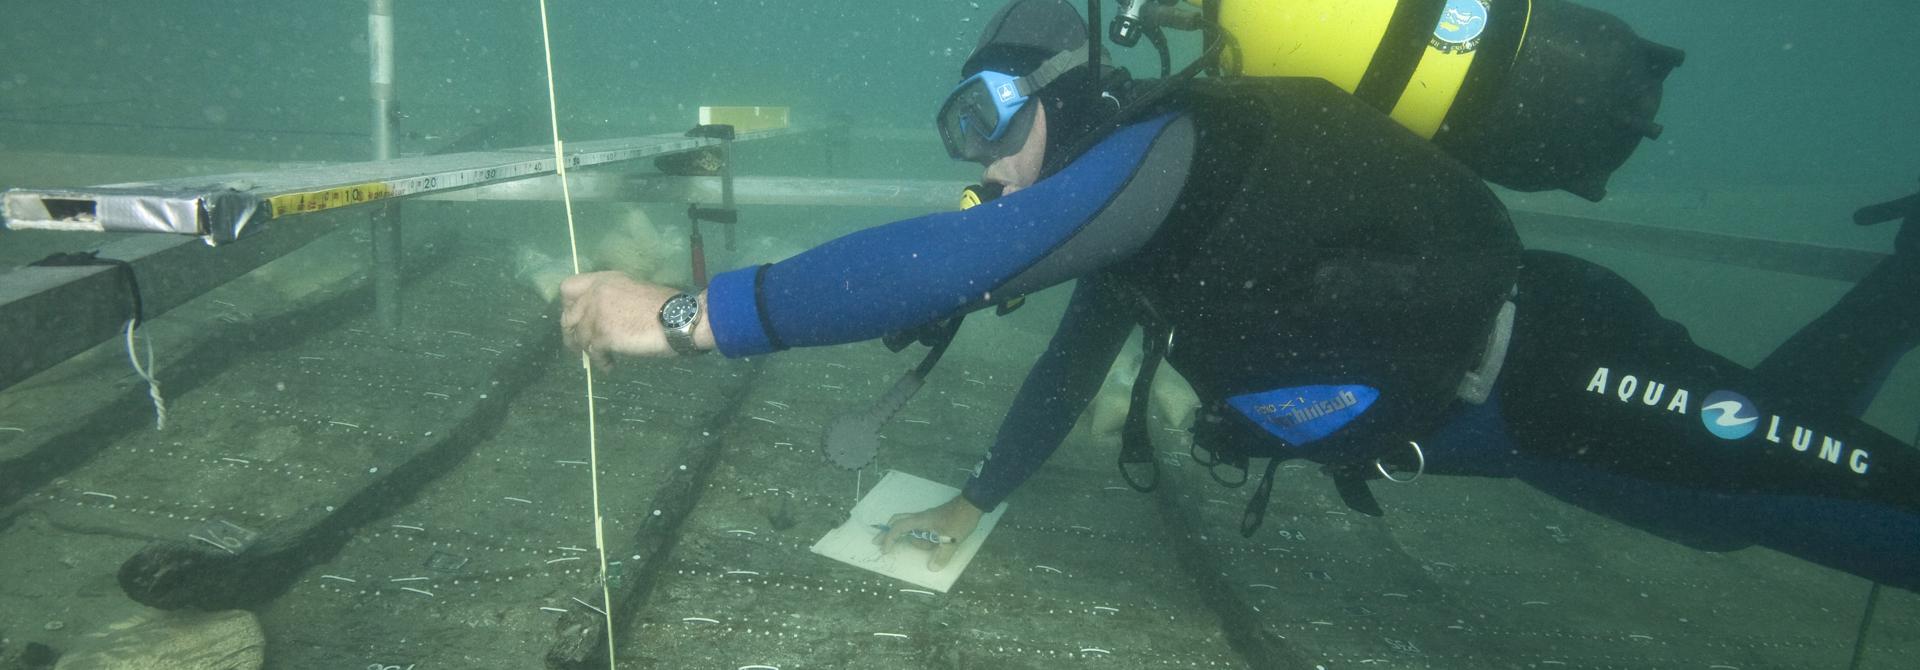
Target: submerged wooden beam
x,y
580,637
422,445
50,314
1799,258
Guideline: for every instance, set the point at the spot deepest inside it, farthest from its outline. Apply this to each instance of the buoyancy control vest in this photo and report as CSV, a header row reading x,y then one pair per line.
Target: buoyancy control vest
x,y
1319,245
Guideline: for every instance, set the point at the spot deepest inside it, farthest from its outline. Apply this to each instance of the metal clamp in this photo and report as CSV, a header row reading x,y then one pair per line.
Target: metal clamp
x,y
1420,469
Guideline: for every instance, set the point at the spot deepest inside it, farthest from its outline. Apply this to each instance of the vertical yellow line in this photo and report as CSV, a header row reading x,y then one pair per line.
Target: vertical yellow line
x,y
1524,27
593,432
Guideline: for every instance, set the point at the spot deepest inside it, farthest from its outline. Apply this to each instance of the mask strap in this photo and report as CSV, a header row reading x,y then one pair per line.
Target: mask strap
x,y
1051,69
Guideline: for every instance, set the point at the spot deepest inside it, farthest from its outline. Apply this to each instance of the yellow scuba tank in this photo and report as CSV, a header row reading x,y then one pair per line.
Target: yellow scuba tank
x,y
1409,58
1533,94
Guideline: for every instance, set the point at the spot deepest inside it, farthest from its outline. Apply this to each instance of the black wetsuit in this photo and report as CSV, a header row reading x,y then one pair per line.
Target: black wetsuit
x,y
1602,401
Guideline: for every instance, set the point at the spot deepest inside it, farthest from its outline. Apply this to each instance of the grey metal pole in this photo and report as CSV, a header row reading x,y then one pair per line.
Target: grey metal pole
x,y
380,75
1866,623
385,226
726,190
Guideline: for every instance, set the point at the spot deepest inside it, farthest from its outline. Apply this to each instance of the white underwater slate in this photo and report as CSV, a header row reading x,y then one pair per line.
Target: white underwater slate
x,y
852,543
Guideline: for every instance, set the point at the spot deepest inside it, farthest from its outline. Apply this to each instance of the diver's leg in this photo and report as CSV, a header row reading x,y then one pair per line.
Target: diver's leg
x,y
1844,355
1615,408
1597,376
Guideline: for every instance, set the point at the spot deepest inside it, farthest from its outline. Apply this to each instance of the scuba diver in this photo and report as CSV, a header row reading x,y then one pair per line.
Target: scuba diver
x,y
1312,244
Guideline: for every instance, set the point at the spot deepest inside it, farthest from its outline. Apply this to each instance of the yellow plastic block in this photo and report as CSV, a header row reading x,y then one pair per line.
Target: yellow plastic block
x,y
745,119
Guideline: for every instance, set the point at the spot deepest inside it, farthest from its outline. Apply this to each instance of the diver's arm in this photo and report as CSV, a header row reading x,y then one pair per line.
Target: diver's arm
x,y
1059,385
1057,389
1102,208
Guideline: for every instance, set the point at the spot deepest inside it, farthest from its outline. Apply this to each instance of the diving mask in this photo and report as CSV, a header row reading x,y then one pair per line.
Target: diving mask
x,y
982,119
985,117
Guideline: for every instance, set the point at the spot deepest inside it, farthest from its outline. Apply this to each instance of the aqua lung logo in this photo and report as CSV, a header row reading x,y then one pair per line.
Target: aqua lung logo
x,y
1008,92
1729,416
1460,26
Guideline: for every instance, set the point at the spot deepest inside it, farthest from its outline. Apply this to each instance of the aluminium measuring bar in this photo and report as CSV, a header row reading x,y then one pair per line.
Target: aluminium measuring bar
x,y
221,208
1799,258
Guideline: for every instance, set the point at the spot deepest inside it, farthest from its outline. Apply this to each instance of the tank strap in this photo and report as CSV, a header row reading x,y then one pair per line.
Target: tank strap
x,y
1136,445
1350,481
1499,48
1256,512
1401,48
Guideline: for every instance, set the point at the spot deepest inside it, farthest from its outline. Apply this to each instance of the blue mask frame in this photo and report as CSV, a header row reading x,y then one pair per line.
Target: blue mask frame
x,y
981,120
978,117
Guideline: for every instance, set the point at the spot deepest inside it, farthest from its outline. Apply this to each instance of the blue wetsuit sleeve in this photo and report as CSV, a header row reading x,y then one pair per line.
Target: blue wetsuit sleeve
x,y
900,275
1058,387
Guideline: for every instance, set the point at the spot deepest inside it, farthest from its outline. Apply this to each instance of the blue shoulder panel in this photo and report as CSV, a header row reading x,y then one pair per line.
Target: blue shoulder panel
x,y
1303,415
903,274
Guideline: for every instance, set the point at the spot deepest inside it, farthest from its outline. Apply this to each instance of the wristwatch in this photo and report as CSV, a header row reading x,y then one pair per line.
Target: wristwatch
x,y
677,318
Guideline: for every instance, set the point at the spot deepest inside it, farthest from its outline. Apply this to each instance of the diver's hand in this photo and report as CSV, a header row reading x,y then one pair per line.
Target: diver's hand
x,y
956,519
607,313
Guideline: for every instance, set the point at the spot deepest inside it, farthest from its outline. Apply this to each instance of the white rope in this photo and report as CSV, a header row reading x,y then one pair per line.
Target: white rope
x,y
146,372
593,433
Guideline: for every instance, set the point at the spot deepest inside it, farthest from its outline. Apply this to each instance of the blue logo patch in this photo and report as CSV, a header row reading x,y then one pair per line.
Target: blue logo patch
x,y
1729,415
1303,415
1460,27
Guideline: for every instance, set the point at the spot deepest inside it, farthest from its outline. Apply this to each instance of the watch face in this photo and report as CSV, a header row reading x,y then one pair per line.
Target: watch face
x,y
679,311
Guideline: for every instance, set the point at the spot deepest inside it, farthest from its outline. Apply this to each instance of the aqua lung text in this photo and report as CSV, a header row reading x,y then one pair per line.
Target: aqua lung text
x,y
1729,416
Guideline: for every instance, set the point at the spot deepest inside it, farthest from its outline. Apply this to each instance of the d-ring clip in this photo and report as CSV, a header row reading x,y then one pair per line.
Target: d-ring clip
x,y
1420,458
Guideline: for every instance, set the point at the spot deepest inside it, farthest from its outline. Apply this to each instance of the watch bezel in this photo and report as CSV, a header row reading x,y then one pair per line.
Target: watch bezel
x,y
679,312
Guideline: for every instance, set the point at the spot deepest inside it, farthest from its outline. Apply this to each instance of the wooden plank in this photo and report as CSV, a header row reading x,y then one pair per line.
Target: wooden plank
x,y
50,314
1800,258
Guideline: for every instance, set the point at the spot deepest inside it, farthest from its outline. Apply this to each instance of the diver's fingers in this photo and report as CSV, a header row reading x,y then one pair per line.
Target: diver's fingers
x,y
572,312
578,336
896,527
575,286
602,360
941,554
